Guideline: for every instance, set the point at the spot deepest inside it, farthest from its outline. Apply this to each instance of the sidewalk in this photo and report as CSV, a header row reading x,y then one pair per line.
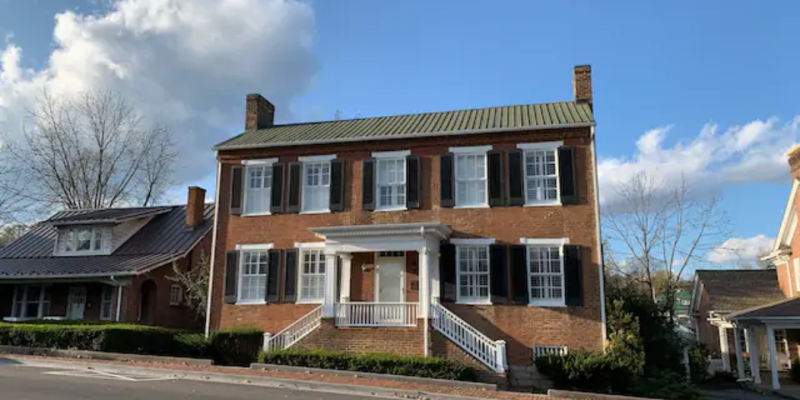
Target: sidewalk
x,y
350,384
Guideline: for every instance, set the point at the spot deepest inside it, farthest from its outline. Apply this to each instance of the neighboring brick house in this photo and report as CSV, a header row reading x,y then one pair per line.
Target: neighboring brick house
x,y
470,234
107,264
756,314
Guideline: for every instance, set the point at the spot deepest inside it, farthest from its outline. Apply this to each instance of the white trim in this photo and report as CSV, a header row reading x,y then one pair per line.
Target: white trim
x,y
391,154
468,207
254,247
473,242
315,212
471,149
785,221
265,161
544,242
403,208
310,245
251,303
413,135
326,157
598,234
540,145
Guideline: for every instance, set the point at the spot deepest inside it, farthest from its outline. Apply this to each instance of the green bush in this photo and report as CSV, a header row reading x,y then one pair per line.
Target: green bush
x,y
430,367
236,347
593,372
698,363
69,322
193,345
665,385
794,373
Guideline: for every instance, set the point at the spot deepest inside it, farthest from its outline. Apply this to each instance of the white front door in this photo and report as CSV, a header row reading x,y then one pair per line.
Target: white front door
x,y
390,286
76,302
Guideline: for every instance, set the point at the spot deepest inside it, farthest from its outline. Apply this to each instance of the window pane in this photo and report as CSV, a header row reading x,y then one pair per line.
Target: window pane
x,y
69,243
471,179
98,238
312,276
84,239
473,273
545,271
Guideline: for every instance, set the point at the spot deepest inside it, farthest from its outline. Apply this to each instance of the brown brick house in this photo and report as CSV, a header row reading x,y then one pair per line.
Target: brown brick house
x,y
107,264
469,233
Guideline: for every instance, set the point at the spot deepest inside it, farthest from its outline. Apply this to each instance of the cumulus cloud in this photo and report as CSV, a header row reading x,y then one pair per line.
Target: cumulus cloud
x,y
738,250
715,158
188,63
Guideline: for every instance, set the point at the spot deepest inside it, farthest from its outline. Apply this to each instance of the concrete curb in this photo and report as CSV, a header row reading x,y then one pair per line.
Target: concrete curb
x,y
292,384
98,355
400,378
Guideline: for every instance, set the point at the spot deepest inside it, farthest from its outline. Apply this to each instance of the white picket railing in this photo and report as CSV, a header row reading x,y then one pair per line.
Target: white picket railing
x,y
541,351
363,314
294,332
490,352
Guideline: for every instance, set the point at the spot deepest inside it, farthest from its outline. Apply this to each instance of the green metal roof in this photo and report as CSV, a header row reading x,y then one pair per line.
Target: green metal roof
x,y
530,116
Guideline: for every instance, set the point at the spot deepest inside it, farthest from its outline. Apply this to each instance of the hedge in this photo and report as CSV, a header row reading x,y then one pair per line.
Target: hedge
x,y
430,367
236,347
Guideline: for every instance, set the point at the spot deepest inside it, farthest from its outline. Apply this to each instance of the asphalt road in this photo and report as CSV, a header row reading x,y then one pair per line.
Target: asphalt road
x,y
30,383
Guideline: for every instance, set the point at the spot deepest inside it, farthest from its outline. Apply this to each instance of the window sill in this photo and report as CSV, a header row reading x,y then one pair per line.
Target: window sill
x,y
474,302
548,304
554,204
316,212
391,209
478,206
309,302
251,303
255,214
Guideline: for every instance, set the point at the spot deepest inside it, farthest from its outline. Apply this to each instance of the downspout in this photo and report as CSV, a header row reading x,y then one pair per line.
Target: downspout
x,y
599,241
214,219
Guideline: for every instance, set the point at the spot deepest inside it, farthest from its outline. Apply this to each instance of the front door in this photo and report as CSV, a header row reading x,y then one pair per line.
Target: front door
x,y
390,289
76,302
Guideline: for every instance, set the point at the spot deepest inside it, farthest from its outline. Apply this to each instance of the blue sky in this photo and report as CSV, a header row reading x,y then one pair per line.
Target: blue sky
x,y
679,64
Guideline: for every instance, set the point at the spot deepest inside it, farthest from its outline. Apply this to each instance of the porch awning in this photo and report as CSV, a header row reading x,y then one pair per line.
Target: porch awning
x,y
383,237
784,309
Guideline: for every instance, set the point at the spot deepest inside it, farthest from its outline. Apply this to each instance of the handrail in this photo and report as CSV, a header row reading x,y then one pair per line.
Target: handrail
x,y
490,352
293,333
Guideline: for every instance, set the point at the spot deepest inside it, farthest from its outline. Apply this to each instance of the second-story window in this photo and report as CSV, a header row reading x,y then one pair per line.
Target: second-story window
x,y
470,174
391,183
259,189
316,186
82,239
541,177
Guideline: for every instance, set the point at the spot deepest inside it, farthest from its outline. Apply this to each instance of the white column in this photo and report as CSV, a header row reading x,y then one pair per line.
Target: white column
x,y
752,346
330,285
424,282
723,348
773,358
119,301
737,337
344,278
435,275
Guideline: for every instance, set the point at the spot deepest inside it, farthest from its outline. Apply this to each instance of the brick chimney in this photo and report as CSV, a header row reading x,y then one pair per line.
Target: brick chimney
x,y
794,160
259,114
195,206
582,84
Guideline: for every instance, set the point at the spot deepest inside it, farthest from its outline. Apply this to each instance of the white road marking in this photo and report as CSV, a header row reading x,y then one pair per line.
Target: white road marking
x,y
107,375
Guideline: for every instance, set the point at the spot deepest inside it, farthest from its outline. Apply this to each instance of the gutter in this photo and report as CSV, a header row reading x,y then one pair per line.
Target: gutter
x,y
599,243
405,136
213,252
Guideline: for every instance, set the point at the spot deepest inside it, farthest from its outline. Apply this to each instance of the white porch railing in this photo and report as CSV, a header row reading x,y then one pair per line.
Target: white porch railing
x,y
362,314
490,352
294,332
541,351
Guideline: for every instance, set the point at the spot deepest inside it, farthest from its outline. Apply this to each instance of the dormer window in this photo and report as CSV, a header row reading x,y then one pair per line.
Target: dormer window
x,y
82,240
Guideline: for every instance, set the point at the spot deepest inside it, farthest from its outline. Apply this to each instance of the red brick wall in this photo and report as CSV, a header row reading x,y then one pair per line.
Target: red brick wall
x,y
400,341
785,277
520,325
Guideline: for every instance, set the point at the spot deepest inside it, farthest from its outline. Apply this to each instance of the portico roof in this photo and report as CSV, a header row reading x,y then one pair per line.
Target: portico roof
x,y
411,228
785,309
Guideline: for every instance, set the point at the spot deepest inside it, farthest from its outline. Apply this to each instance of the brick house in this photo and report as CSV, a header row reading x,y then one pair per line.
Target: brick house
x,y
757,319
107,264
471,234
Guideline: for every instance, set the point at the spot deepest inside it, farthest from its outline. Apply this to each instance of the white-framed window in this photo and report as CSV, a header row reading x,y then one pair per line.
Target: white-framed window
x,y
81,239
473,274
312,276
546,275
541,176
316,186
391,184
253,266
470,176
31,302
176,294
258,187
781,342
107,302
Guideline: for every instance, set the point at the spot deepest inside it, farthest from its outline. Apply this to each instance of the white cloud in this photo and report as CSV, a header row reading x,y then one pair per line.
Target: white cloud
x,y
754,152
187,62
736,250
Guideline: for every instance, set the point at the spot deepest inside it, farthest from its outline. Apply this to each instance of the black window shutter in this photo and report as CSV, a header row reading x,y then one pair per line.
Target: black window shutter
x,y
519,274
447,278
494,160
231,275
290,276
237,188
368,184
566,175
295,187
273,278
498,278
413,167
337,185
573,276
276,202
516,178
447,180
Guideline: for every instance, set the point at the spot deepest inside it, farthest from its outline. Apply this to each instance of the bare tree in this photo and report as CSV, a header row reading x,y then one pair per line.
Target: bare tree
x,y
195,284
661,229
93,151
